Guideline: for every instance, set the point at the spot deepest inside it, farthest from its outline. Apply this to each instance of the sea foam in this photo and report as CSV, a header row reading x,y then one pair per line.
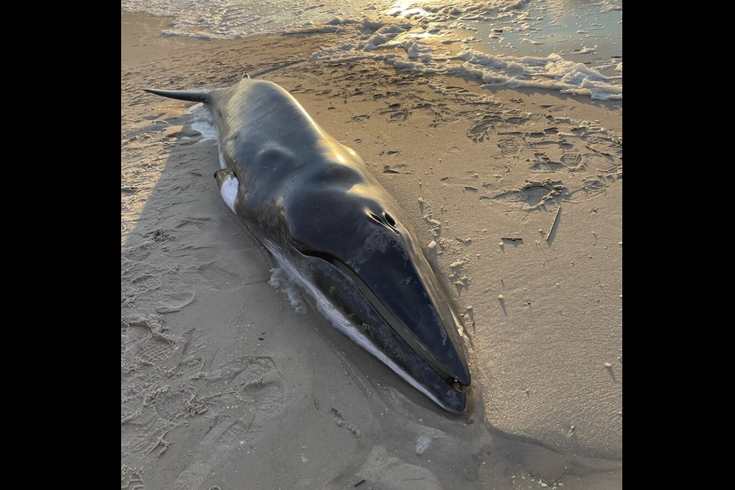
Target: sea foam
x,y
550,45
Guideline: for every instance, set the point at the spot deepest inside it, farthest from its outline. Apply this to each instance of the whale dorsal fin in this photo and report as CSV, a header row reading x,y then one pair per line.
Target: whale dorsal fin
x,y
191,95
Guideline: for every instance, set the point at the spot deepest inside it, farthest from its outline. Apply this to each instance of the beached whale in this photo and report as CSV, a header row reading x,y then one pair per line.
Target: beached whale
x,y
313,203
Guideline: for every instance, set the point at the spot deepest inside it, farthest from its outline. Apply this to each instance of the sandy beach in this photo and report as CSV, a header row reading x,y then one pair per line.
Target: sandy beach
x,y
229,380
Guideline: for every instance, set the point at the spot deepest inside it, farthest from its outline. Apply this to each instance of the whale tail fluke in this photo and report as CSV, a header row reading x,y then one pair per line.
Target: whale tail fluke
x,y
191,95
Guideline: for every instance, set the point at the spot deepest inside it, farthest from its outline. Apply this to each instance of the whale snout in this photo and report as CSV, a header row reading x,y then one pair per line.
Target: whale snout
x,y
368,263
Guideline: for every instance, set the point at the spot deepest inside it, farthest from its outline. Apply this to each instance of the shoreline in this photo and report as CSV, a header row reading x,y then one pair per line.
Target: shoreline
x,y
489,166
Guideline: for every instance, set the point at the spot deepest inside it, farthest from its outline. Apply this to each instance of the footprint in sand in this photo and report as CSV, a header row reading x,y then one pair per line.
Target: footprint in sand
x,y
571,159
138,252
130,479
195,253
175,302
144,341
239,395
196,223
509,146
166,399
221,279
145,344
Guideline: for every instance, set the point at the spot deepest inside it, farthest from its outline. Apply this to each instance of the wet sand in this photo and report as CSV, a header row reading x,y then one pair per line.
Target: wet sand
x,y
516,196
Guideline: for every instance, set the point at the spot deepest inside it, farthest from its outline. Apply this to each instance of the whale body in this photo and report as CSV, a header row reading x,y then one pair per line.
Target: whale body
x,y
314,204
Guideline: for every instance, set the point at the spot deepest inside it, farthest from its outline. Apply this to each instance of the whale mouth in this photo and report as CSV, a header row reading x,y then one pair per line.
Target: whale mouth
x,y
339,300
390,319
447,392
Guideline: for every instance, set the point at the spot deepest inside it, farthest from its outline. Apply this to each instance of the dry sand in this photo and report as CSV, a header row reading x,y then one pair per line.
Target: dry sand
x,y
225,384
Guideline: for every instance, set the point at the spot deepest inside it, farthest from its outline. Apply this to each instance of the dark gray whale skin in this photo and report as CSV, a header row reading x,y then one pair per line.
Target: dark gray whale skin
x,y
313,203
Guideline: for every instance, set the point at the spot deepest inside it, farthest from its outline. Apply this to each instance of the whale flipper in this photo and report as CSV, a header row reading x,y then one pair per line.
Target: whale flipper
x,y
228,186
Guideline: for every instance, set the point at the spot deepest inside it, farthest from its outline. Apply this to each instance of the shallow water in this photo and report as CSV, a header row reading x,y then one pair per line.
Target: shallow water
x,y
574,46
